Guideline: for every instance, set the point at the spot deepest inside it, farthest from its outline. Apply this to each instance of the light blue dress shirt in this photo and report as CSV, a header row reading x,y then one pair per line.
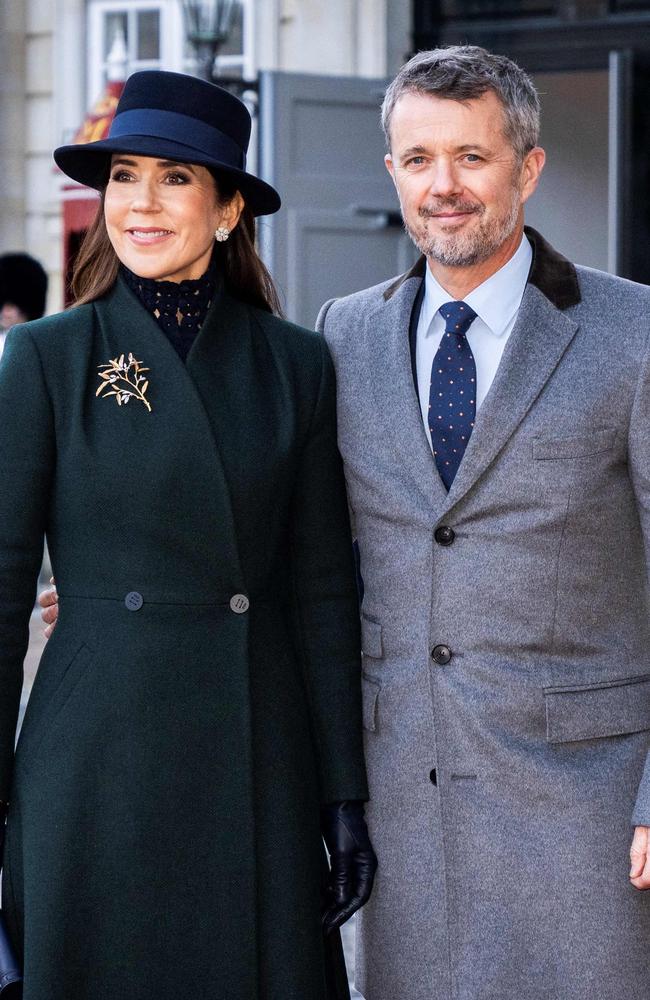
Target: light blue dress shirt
x,y
496,304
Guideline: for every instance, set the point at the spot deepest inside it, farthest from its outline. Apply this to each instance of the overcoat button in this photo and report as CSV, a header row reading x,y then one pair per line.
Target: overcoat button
x,y
444,535
441,655
134,601
239,603
433,777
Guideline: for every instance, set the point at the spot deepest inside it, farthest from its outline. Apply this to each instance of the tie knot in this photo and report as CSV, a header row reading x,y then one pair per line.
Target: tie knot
x,y
458,316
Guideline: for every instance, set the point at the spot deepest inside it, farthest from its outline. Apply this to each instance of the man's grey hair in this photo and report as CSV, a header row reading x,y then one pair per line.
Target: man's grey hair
x,y
463,73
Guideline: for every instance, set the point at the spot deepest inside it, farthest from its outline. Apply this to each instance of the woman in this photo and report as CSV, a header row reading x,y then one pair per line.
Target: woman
x,y
195,720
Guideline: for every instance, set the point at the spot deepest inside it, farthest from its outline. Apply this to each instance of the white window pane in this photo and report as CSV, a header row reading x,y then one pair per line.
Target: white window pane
x,y
235,43
148,34
113,23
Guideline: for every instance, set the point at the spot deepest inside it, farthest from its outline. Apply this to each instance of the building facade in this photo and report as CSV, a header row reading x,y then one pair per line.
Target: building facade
x,y
54,56
590,58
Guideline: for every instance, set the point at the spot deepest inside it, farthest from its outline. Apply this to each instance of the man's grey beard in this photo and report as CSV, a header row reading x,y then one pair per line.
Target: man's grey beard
x,y
463,249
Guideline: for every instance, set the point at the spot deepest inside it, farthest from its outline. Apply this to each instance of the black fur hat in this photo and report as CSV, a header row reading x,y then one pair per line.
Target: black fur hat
x,y
23,282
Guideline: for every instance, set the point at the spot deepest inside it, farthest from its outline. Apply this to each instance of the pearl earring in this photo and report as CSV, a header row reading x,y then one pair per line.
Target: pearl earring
x,y
222,234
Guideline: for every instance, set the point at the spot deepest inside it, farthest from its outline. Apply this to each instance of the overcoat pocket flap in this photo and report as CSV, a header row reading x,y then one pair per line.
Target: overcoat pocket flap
x,y
576,446
371,640
370,689
587,712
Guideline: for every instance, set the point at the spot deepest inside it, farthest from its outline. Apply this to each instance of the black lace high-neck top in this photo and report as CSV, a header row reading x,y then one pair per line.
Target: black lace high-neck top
x,y
179,308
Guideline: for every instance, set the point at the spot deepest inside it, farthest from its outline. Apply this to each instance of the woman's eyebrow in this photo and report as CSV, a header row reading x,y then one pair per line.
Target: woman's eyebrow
x,y
159,163
175,163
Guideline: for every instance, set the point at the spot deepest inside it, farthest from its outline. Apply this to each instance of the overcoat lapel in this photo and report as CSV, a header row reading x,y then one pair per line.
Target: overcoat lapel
x,y
185,403
539,339
542,333
233,384
390,370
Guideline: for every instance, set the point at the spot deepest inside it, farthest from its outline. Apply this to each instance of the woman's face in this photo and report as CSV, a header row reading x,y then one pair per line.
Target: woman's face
x,y
161,216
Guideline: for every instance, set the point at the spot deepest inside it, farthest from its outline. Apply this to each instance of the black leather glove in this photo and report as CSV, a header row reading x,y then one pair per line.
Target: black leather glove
x,y
352,861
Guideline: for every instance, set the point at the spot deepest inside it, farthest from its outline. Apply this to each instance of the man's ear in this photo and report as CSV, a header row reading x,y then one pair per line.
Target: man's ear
x,y
530,172
390,166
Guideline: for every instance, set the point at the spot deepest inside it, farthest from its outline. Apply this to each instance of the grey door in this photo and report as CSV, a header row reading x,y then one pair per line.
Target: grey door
x,y
572,206
339,228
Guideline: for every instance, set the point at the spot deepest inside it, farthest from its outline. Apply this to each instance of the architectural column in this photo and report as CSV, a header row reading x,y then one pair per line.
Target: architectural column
x,y
12,126
41,207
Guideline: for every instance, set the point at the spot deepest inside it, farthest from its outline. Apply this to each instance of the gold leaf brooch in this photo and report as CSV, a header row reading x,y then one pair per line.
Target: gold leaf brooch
x,y
124,380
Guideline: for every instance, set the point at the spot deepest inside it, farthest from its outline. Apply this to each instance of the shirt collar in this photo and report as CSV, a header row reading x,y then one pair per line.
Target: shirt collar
x,y
495,301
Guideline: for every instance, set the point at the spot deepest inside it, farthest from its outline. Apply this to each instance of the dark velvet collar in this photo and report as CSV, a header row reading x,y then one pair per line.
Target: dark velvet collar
x,y
551,273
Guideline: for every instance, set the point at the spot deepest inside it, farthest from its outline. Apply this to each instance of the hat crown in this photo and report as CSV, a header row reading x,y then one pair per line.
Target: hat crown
x,y
161,90
176,117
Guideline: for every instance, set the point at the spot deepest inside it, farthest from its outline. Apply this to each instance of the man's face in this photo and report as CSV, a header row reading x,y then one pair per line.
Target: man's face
x,y
459,183
10,315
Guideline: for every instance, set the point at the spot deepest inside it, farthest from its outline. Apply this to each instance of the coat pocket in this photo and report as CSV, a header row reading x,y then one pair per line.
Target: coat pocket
x,y
52,690
371,638
576,446
591,711
370,688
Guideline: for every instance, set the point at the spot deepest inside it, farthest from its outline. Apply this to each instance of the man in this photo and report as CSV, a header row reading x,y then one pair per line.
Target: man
x,y
23,289
494,420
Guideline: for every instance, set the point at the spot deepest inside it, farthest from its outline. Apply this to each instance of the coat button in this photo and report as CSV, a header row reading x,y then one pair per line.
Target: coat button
x,y
134,601
433,777
444,535
441,655
239,603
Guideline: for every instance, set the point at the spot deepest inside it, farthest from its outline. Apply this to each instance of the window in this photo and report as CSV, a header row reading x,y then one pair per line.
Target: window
x,y
147,31
155,39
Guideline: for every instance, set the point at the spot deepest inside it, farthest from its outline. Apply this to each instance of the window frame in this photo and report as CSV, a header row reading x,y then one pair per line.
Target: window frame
x,y
172,42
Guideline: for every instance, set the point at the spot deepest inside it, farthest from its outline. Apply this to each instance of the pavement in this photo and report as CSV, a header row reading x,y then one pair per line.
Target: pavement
x,y
347,935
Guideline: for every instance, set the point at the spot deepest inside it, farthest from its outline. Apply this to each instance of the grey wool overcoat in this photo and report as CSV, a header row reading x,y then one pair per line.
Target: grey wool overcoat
x,y
200,696
504,768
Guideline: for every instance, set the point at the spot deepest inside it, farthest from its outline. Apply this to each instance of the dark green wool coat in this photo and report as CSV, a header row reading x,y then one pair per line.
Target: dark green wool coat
x,y
163,834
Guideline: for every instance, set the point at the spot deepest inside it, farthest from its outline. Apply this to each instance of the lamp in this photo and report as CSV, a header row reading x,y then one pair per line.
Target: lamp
x,y
208,24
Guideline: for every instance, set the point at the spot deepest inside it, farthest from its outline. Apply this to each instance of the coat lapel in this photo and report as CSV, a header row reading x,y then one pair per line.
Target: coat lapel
x,y
233,375
541,335
182,416
391,376
539,339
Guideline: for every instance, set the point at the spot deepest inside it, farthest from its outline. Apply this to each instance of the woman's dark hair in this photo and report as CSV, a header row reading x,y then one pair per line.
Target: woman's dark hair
x,y
245,275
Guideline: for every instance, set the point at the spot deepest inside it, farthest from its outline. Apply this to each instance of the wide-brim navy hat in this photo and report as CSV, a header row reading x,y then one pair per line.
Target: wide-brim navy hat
x,y
177,117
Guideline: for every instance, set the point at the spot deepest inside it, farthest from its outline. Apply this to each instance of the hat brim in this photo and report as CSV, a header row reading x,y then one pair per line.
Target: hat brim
x,y
88,163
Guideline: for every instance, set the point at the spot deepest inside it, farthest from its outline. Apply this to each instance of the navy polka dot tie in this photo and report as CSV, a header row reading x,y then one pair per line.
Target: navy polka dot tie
x,y
452,394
